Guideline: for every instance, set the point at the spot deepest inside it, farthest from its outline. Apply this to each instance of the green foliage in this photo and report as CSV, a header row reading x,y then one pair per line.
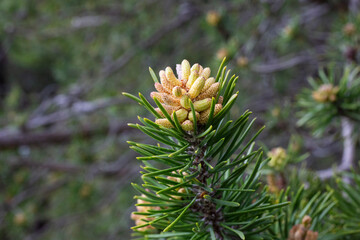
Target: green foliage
x,y
346,218
322,106
317,207
69,53
219,199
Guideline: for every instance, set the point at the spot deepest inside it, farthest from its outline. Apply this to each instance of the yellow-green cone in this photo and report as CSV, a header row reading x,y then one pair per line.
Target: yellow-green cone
x,y
185,101
181,115
187,125
211,92
202,105
206,73
185,69
204,116
164,122
208,84
197,87
171,77
191,117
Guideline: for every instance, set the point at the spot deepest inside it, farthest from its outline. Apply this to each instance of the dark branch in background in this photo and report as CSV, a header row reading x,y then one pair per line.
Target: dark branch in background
x,y
347,130
348,156
50,166
44,192
309,56
281,64
112,169
70,107
3,75
9,141
187,13
354,6
121,169
78,217
76,109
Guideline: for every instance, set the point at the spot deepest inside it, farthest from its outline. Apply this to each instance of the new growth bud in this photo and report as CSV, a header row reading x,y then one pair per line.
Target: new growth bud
x,y
177,91
181,115
205,73
325,93
185,101
191,116
140,219
185,68
171,77
278,158
187,125
204,116
210,92
195,86
164,122
193,76
349,29
213,18
302,232
202,105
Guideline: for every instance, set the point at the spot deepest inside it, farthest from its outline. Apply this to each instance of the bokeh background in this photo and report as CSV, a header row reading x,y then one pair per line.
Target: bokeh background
x,y
65,166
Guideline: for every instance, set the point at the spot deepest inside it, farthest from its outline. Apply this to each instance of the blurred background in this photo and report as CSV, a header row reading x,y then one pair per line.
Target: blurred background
x,y
65,166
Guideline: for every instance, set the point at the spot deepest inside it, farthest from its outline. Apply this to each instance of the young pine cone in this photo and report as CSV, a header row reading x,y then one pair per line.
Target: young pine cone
x,y
325,93
302,232
193,84
141,219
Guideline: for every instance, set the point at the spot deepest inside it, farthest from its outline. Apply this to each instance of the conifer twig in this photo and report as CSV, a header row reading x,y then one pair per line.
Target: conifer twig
x,y
348,155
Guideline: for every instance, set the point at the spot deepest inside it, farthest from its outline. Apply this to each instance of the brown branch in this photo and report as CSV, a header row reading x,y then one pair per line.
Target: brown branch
x,y
10,141
281,64
76,109
121,168
348,155
35,191
113,169
51,166
127,172
354,6
110,195
185,16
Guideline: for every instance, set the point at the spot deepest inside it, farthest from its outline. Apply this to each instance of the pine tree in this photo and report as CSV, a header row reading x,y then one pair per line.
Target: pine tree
x,y
197,181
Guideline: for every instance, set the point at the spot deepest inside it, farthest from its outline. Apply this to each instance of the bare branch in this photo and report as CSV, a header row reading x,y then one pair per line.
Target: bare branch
x,y
354,6
185,16
78,108
281,64
8,141
112,169
348,156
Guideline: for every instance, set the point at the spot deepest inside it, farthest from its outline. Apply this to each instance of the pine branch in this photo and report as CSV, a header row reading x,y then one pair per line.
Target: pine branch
x,y
14,140
205,181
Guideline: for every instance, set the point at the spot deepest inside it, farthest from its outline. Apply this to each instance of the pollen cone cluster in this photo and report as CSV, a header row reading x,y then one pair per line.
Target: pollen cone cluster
x,y
278,158
272,183
140,219
178,180
302,232
192,84
325,93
